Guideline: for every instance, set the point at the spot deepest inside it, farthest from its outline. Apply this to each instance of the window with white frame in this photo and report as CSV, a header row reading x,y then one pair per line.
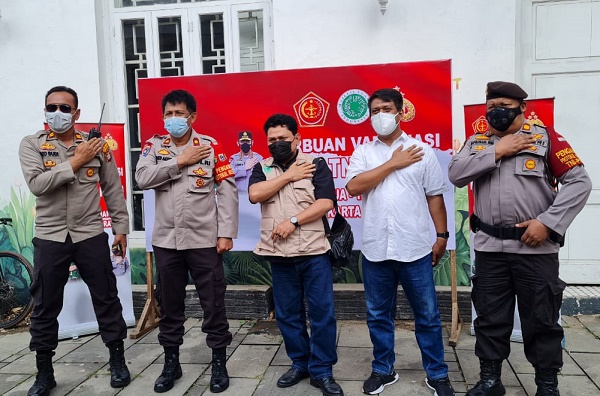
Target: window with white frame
x,y
157,38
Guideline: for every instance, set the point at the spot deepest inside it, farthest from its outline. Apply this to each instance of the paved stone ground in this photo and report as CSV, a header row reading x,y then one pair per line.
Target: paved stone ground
x,y
257,358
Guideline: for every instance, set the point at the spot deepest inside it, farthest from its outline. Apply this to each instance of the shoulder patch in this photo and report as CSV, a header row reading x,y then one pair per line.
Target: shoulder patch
x,y
562,156
146,150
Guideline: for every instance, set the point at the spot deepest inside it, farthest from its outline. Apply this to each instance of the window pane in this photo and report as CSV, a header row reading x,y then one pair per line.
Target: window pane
x,y
137,3
213,43
252,51
134,44
138,211
170,46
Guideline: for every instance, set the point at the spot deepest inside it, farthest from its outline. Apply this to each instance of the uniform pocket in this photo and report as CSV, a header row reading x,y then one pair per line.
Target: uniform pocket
x,y
89,172
478,297
310,234
529,165
199,179
304,191
549,301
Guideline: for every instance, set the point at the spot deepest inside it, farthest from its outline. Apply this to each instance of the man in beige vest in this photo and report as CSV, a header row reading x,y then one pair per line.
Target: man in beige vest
x,y
295,194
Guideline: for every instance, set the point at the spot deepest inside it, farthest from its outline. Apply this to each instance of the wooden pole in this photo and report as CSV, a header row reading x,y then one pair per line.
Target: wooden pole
x,y
151,314
456,319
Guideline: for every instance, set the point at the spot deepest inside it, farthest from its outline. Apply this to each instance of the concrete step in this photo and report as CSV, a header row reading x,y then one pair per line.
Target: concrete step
x,y
256,302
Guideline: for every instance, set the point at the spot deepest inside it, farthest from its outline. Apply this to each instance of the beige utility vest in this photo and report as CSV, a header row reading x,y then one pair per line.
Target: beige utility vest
x,y
293,198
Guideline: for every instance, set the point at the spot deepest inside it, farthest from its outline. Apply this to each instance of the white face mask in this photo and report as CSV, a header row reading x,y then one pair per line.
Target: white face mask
x,y
59,122
384,123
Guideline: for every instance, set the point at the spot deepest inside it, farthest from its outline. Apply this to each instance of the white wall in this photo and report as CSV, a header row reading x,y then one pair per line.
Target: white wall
x,y
43,43
317,33
56,42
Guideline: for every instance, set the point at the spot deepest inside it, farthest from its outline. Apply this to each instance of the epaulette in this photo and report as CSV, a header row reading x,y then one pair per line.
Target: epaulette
x,y
481,137
42,132
209,139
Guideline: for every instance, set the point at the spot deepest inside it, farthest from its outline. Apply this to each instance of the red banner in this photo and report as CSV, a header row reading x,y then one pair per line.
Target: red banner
x,y
328,103
330,106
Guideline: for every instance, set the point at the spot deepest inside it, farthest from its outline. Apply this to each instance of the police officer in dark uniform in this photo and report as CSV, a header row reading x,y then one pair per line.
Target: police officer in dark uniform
x,y
519,220
243,162
62,168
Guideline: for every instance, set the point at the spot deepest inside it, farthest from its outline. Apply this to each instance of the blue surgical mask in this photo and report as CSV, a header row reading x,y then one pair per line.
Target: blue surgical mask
x,y
177,126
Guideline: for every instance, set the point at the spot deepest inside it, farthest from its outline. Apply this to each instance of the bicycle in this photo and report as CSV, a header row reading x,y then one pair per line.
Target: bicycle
x,y
16,274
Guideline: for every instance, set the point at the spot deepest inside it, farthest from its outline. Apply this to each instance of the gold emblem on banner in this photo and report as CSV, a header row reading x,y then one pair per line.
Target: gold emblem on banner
x,y
112,143
311,110
480,125
533,119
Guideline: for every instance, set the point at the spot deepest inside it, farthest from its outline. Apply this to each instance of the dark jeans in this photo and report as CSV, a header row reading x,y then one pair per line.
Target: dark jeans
x,y
292,282
381,281
206,268
533,279
50,274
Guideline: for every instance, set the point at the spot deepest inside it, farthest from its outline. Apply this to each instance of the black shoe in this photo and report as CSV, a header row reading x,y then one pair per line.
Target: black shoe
x,y
376,382
42,386
171,372
490,383
328,386
44,380
119,373
219,380
546,380
291,377
440,386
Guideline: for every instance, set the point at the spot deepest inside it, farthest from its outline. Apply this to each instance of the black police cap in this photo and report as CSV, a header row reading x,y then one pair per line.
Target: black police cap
x,y
503,89
245,135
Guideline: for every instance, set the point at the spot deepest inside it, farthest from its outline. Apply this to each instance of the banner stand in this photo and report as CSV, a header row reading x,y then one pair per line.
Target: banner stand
x,y
456,319
150,315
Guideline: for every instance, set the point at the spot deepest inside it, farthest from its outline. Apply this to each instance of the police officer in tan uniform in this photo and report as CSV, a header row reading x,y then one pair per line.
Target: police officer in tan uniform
x,y
195,221
519,220
62,168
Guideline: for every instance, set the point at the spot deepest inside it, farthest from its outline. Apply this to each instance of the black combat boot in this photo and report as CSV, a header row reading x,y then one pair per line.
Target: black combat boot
x,y
219,380
44,380
171,371
119,373
546,380
490,383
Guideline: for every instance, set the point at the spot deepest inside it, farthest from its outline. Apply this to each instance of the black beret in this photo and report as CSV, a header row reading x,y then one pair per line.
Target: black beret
x,y
245,135
503,89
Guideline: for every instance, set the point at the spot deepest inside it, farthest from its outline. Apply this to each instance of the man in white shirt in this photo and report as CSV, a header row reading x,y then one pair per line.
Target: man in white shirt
x,y
401,183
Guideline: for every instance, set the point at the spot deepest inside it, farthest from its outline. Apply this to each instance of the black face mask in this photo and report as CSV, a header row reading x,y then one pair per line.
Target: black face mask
x,y
281,151
501,118
245,147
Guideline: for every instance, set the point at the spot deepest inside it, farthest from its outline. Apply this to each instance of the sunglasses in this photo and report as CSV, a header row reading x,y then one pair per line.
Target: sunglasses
x,y
64,108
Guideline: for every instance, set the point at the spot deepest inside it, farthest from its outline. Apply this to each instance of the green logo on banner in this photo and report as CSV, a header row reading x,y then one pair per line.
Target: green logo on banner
x,y
353,106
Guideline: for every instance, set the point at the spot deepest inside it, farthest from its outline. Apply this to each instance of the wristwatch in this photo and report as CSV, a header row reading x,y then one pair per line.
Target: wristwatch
x,y
444,235
294,221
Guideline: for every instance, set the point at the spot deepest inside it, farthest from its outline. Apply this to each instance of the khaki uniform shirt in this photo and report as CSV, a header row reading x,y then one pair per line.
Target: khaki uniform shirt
x,y
194,205
515,189
69,202
293,198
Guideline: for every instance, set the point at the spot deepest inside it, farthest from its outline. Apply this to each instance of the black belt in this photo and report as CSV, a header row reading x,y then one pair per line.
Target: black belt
x,y
505,232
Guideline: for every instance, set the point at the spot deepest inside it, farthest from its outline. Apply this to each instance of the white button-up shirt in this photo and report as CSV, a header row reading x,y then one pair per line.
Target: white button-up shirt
x,y
395,213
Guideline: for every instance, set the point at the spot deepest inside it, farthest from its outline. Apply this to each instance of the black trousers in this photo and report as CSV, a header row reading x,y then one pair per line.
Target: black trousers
x,y
206,268
533,279
51,273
